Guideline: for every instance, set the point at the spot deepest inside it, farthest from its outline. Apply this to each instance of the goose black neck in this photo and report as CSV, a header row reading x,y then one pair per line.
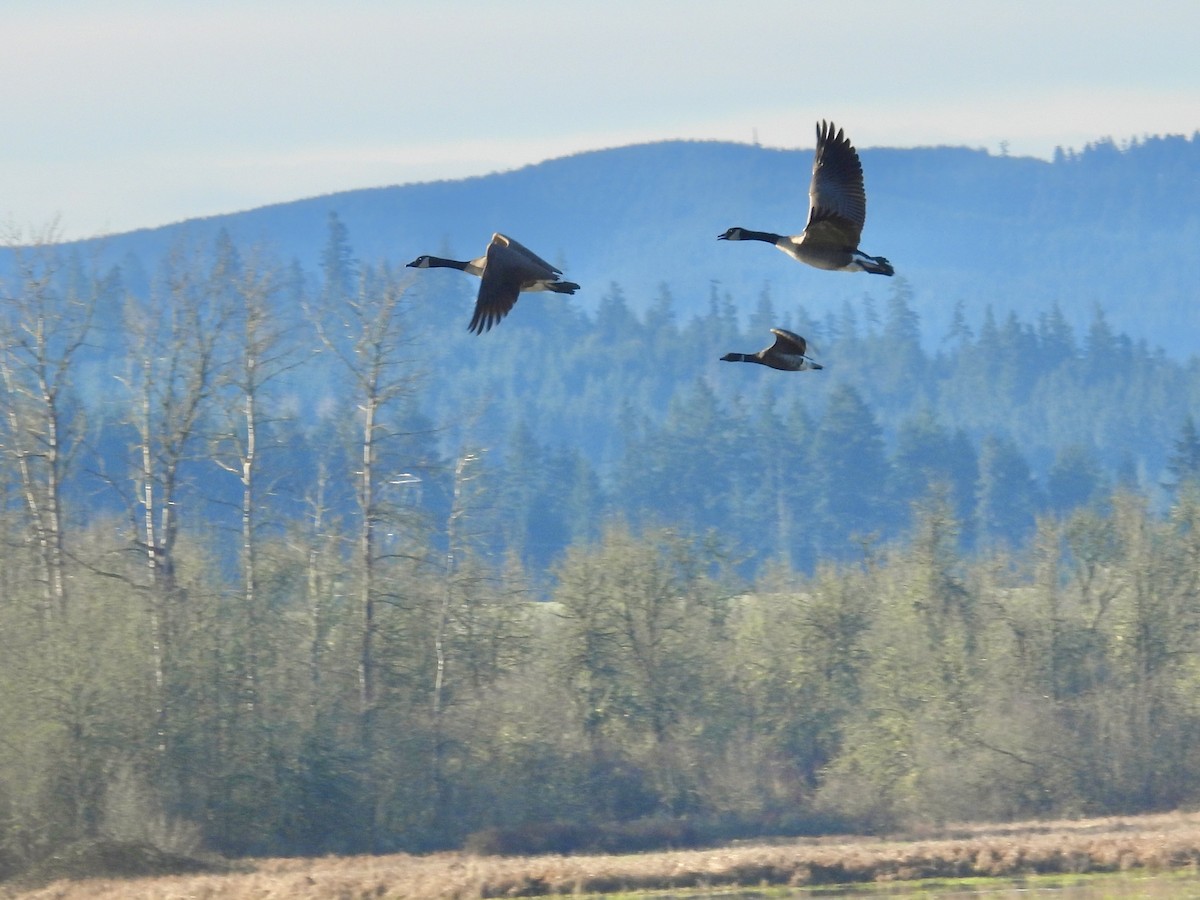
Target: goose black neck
x,y
437,262
766,236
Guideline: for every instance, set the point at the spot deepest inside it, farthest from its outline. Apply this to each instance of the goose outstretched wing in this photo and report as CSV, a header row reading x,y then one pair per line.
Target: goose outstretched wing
x,y
787,342
509,268
837,201
518,247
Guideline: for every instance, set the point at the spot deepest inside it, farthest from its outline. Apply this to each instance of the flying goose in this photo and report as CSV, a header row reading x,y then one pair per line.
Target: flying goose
x,y
505,270
837,208
786,354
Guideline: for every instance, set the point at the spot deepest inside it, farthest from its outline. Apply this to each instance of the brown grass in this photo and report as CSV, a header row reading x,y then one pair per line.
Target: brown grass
x,y
1159,842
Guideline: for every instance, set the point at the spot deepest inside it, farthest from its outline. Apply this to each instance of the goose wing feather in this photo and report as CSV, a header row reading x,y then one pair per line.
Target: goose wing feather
x,y
787,342
837,201
508,269
493,303
519,248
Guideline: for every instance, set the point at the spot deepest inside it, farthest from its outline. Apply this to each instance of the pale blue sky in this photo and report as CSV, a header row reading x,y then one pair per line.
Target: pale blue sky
x,y
120,114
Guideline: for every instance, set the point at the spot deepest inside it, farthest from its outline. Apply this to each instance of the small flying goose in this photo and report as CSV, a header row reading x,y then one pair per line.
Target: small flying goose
x,y
786,354
837,208
505,270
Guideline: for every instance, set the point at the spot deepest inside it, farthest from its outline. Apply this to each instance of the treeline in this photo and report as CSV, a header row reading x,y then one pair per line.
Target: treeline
x,y
576,416
295,565
619,413
655,694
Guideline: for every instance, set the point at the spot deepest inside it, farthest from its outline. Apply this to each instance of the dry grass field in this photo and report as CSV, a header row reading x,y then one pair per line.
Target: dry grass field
x,y
1151,843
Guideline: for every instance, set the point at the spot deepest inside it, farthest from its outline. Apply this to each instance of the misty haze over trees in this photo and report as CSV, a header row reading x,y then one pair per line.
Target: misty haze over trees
x,y
295,564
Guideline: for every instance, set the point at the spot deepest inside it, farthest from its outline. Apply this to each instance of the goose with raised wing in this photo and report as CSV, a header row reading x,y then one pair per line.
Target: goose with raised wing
x,y
505,270
837,209
786,354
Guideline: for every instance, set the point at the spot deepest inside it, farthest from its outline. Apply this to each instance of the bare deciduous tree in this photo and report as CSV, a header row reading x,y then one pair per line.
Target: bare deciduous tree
x,y
262,348
366,333
175,341
43,329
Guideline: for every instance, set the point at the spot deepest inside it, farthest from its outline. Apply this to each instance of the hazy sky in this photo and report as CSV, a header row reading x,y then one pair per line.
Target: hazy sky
x,y
119,114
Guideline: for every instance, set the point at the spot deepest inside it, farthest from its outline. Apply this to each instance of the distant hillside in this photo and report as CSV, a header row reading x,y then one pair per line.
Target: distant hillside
x,y
1114,226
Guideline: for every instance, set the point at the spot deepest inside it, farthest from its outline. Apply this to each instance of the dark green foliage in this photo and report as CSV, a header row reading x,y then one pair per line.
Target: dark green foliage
x,y
549,497
1184,462
849,471
338,267
1074,480
1007,496
688,465
928,457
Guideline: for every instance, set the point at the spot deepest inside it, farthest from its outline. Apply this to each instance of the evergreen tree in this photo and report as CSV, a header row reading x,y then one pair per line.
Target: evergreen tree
x,y
660,318
764,317
683,472
959,334
544,494
1015,371
1100,347
1184,462
337,261
1007,496
1056,339
850,472
614,323
1074,479
902,326
927,456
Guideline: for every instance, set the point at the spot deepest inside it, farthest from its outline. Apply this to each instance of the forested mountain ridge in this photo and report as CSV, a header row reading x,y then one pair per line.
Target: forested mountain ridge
x,y
1109,225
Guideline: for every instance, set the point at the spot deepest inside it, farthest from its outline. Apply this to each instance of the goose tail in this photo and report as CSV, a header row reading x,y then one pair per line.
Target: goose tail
x,y
562,287
876,265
